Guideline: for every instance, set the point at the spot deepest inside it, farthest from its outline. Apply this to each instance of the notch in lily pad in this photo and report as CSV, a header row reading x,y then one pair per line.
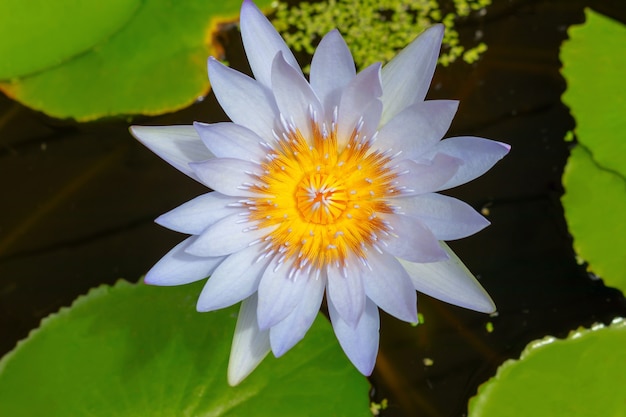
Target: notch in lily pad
x,y
595,175
148,60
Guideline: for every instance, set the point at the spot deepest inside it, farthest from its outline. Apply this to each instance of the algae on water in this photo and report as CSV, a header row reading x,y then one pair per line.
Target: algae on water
x,y
376,30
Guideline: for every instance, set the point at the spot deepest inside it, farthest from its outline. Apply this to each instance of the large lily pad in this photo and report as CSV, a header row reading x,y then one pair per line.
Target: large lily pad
x,y
38,34
583,375
137,350
155,64
595,175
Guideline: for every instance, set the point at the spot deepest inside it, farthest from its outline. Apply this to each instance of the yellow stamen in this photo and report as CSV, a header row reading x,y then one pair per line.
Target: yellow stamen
x,y
323,202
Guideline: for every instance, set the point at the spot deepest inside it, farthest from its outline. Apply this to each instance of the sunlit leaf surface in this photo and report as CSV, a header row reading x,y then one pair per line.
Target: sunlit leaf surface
x,y
583,375
595,176
38,34
155,64
137,350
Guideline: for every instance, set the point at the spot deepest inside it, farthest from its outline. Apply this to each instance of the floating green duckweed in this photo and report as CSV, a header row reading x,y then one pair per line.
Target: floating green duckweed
x,y
489,327
376,30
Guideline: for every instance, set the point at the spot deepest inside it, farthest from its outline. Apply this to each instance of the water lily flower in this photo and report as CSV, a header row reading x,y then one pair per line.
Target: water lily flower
x,y
322,187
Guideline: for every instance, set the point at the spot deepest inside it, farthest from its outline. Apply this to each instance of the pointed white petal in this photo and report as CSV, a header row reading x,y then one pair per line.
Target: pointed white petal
x,y
407,76
332,69
178,267
177,145
294,96
360,103
228,140
235,279
447,217
231,177
346,290
360,343
416,129
412,240
243,99
370,116
196,215
288,332
425,176
478,156
450,281
261,43
389,286
250,345
228,235
279,293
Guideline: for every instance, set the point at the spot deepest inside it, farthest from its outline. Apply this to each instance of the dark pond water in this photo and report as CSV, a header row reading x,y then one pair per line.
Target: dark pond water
x,y
79,201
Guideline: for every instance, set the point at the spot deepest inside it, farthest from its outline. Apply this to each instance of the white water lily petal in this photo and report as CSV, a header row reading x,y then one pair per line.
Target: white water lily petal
x,y
235,279
231,177
425,177
279,293
389,286
196,215
244,100
261,43
229,235
250,345
177,145
360,343
370,114
450,281
296,100
416,129
478,156
332,69
447,217
228,140
360,103
346,290
309,177
289,331
406,78
413,241
178,267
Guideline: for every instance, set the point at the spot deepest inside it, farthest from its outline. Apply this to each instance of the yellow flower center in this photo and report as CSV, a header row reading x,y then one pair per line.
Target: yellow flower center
x,y
321,198
322,202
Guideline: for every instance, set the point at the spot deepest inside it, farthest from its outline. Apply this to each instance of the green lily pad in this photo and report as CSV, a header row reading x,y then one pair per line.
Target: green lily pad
x,y
583,375
155,64
38,34
139,350
595,175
